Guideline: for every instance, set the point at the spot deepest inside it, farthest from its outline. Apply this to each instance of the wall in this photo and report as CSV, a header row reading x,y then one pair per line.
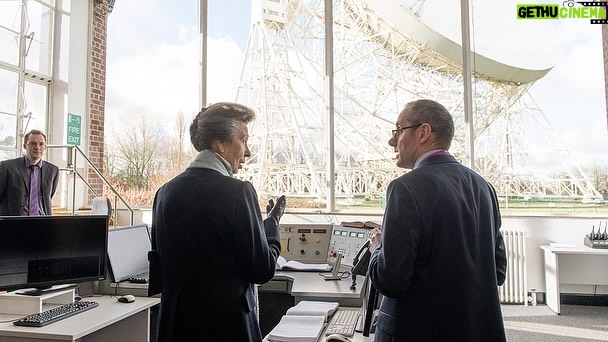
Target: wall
x,y
97,95
544,230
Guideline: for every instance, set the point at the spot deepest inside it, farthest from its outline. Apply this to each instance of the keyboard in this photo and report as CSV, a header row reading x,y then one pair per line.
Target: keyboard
x,y
137,280
343,322
56,314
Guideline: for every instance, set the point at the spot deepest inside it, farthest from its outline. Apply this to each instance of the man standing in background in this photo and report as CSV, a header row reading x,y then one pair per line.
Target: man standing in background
x,y
28,183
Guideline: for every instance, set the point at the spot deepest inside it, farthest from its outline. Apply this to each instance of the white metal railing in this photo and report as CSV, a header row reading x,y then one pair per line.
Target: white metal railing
x,y
73,153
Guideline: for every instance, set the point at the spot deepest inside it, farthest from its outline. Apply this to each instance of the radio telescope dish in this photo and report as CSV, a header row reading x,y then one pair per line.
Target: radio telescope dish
x,y
505,48
385,54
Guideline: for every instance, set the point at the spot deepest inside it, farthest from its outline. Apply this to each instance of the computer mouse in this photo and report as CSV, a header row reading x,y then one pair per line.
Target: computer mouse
x,y
336,338
126,299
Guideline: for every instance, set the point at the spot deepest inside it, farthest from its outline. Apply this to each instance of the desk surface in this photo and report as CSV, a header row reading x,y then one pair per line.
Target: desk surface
x,y
108,312
312,284
574,249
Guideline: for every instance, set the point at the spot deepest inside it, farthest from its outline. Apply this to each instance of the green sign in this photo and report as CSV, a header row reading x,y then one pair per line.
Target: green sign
x,y
73,129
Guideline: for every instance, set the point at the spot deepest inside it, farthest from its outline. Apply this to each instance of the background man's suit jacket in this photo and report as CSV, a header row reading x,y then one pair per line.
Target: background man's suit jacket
x,y
15,186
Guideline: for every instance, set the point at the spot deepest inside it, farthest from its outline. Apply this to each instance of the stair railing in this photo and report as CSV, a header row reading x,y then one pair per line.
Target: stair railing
x,y
73,153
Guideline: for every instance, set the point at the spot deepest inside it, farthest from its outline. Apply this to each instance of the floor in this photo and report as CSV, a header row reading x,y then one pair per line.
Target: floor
x,y
576,323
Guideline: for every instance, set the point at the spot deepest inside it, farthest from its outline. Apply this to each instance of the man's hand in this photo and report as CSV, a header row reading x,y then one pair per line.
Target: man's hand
x,y
375,239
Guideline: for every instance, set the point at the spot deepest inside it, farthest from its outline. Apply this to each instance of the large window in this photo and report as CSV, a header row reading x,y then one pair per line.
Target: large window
x,y
321,135
26,68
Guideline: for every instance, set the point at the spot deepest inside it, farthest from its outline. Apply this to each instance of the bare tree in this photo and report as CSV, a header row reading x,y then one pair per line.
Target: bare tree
x,y
109,160
180,151
599,177
139,145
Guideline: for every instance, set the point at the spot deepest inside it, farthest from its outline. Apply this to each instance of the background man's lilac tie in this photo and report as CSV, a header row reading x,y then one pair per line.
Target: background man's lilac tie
x,y
34,198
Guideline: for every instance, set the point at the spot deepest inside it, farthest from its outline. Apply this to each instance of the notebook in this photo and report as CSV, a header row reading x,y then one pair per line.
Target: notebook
x,y
293,328
128,249
313,308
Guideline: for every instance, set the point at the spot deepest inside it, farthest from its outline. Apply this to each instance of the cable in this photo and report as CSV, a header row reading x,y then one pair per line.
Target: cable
x,y
353,285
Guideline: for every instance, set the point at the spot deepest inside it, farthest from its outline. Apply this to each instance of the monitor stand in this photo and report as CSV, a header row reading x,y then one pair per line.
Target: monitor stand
x,y
39,291
17,304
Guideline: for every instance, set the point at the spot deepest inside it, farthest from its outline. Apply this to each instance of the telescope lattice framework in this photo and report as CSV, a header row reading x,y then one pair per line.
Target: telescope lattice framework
x,y
377,70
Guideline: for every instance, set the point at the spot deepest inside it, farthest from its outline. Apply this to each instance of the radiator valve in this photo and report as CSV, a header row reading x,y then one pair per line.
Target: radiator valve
x,y
532,297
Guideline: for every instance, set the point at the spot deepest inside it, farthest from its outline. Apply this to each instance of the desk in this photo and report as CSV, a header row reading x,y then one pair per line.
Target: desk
x,y
312,286
110,321
288,288
357,337
572,265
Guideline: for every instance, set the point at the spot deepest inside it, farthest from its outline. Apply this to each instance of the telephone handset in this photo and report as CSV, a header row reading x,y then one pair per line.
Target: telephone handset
x,y
361,263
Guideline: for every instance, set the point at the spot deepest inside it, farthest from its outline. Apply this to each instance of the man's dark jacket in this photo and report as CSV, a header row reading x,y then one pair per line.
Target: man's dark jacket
x,y
442,257
15,186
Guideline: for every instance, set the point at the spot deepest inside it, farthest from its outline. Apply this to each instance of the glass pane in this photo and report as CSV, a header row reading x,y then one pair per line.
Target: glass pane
x,y
8,128
8,91
35,103
10,21
4,155
50,2
64,5
40,42
9,14
64,48
9,47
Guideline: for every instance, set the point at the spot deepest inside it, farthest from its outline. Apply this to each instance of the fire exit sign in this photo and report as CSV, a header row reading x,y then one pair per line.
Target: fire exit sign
x,y
74,129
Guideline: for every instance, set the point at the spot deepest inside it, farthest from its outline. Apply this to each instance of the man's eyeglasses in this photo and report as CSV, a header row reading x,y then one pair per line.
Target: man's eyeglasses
x,y
34,144
397,132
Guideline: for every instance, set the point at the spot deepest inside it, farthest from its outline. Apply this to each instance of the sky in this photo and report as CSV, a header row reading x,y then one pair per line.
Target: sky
x,y
151,44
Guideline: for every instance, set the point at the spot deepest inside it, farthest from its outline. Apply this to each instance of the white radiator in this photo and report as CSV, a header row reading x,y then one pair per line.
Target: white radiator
x,y
514,289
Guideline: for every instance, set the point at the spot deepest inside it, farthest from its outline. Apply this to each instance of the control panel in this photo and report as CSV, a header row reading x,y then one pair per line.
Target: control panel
x,y
305,242
346,241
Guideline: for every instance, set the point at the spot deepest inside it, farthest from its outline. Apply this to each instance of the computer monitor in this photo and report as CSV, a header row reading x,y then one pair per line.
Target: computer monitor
x,y
38,252
128,249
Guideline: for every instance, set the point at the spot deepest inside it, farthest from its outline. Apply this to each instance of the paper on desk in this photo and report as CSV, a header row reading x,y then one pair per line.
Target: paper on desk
x,y
297,329
313,308
283,264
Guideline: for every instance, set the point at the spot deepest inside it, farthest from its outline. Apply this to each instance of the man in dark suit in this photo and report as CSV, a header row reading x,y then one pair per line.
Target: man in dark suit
x,y
439,257
209,237
15,178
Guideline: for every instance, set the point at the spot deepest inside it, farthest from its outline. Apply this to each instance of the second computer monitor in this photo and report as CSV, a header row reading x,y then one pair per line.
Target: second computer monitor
x,y
128,249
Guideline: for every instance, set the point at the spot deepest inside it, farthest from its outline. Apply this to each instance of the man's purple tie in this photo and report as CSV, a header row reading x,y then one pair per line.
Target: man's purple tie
x,y
34,208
